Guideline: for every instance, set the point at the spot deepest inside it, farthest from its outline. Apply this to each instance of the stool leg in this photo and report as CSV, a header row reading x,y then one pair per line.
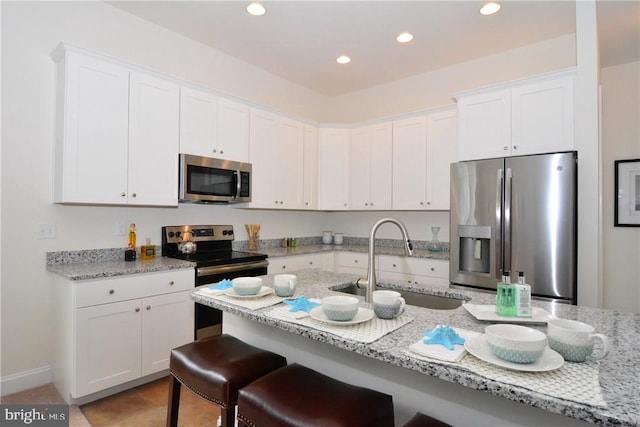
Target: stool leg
x,y
174,402
228,417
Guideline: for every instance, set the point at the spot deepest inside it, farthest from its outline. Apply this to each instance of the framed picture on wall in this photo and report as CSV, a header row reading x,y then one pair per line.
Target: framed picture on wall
x,y
627,193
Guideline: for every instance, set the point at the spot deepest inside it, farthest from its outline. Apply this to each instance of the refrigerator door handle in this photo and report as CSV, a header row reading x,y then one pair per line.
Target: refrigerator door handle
x,y
499,228
507,219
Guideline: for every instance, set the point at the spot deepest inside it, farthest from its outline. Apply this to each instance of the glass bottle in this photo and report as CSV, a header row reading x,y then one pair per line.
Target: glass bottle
x,y
434,245
132,236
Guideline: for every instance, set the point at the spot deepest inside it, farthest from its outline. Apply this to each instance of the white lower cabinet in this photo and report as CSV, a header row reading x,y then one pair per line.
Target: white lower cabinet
x,y
111,331
351,262
289,264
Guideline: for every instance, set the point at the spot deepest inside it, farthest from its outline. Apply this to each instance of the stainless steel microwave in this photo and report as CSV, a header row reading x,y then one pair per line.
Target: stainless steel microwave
x,y
209,180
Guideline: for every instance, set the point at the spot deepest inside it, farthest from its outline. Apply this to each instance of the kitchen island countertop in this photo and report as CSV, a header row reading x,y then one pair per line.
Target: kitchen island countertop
x,y
619,372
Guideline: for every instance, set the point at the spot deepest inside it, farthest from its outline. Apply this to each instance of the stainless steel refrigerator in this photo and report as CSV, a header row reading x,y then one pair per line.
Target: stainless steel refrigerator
x,y
516,214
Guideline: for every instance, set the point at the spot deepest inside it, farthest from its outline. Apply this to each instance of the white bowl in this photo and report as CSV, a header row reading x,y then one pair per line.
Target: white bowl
x,y
246,285
514,343
339,307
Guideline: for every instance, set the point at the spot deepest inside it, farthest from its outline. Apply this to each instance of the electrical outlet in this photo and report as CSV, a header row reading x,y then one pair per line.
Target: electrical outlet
x,y
45,230
121,228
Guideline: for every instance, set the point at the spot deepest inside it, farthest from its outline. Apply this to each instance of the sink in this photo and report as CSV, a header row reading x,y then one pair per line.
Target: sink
x,y
418,299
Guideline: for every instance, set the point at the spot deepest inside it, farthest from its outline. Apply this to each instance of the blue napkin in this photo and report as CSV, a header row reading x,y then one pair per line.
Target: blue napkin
x,y
444,335
221,285
301,304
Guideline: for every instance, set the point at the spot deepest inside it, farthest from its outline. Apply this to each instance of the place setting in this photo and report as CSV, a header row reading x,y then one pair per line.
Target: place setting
x,y
344,316
248,292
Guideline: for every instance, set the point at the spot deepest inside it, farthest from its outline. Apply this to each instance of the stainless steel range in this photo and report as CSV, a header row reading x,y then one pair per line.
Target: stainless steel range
x,y
210,247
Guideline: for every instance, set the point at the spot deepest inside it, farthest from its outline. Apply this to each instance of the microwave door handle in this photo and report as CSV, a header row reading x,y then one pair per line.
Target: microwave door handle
x,y
236,176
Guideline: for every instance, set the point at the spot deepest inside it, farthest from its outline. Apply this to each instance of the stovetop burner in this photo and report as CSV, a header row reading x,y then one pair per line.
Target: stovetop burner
x,y
213,245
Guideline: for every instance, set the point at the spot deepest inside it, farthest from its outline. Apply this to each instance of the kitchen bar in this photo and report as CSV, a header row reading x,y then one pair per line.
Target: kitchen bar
x,y
450,392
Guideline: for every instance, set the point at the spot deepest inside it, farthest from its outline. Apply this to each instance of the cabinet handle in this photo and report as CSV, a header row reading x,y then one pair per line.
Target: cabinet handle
x,y
133,195
221,151
281,202
356,261
432,269
428,203
505,148
137,309
284,266
394,266
421,203
112,291
366,204
310,262
215,151
306,203
148,307
515,147
371,204
123,194
345,205
171,283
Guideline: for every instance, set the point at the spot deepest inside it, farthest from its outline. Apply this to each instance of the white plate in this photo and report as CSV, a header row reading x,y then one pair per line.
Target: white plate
x,y
363,315
479,347
263,292
488,312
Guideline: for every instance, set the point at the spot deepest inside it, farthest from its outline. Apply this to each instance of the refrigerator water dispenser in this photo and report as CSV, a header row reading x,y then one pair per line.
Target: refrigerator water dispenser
x,y
475,249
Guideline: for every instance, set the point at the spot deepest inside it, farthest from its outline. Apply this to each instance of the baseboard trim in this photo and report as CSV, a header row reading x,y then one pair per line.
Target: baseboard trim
x,y
25,380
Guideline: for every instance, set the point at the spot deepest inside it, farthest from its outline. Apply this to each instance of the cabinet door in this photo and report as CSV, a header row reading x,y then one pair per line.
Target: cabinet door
x,y
542,117
92,131
107,346
263,137
167,322
310,191
333,184
380,166
484,125
289,164
198,122
409,163
359,166
442,149
153,141
233,131
295,263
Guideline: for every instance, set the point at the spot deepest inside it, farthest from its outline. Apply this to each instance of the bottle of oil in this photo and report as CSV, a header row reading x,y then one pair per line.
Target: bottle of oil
x,y
132,236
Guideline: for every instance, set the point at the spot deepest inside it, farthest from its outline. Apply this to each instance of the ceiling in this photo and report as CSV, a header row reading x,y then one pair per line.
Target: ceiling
x,y
300,40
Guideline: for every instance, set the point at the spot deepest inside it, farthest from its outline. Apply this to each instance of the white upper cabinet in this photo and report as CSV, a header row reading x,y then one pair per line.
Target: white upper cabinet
x,y
310,191
333,181
198,122
232,139
92,130
211,126
370,152
117,133
423,149
153,141
409,163
442,150
529,117
277,155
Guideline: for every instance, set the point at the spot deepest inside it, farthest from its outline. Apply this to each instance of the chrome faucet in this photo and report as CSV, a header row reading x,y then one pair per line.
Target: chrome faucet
x,y
370,281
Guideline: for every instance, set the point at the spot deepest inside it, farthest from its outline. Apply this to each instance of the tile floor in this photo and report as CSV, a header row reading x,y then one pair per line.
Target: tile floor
x,y
143,406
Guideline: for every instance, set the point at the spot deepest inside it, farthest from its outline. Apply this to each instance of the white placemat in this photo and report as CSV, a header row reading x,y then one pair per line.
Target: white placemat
x,y
251,303
578,382
366,332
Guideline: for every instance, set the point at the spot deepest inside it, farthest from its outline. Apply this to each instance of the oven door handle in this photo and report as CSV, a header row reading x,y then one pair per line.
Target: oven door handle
x,y
230,268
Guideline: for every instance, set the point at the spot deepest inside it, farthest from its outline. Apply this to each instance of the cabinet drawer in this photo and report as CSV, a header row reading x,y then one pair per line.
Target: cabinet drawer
x,y
121,288
294,263
352,259
415,266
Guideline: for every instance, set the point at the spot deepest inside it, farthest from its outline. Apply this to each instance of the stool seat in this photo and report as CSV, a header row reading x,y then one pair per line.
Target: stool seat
x,y
215,369
422,420
295,396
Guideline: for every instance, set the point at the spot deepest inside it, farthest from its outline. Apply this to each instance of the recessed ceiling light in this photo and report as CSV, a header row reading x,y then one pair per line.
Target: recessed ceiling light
x,y
343,59
404,37
256,9
490,8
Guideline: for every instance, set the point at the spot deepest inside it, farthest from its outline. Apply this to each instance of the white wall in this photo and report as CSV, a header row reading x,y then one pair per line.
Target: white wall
x,y
620,140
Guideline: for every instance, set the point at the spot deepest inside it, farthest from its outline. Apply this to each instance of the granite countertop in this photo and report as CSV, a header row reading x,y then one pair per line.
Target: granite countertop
x,y
87,270
619,372
275,252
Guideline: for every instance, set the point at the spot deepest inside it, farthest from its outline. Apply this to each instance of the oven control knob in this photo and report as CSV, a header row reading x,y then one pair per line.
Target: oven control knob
x,y
178,233
171,234
230,232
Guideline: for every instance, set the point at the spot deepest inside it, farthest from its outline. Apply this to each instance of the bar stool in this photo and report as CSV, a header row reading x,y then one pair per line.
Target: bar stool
x,y
215,369
296,396
422,420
